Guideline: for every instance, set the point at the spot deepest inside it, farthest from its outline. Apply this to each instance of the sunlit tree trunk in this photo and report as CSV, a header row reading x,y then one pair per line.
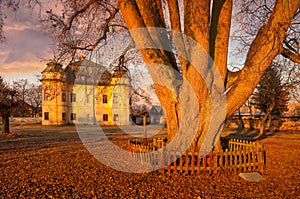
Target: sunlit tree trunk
x,y
211,33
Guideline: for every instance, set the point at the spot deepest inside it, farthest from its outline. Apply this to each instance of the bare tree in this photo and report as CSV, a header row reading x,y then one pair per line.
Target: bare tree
x,y
84,24
290,76
35,98
21,87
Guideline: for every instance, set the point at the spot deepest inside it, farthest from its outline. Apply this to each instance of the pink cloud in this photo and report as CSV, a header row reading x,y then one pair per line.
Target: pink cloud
x,y
27,45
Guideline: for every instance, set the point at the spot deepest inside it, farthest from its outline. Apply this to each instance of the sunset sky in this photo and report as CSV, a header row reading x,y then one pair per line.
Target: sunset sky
x,y
27,46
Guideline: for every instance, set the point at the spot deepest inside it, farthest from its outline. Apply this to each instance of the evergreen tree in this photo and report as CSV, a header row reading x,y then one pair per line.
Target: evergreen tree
x,y
270,96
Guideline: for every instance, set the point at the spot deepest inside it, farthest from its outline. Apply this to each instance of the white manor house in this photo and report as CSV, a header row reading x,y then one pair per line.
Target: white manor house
x,y
85,93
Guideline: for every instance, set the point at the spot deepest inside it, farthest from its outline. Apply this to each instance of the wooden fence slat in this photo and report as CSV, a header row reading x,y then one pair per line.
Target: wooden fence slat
x,y
221,153
193,162
242,155
186,162
245,159
204,163
215,164
175,160
226,159
211,163
198,163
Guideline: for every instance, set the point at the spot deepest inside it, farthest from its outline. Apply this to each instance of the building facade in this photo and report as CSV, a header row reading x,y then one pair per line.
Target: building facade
x,y
85,93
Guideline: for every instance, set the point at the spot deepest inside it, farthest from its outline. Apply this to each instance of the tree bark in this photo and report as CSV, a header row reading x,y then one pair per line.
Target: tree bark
x,y
212,35
262,122
219,34
171,109
5,122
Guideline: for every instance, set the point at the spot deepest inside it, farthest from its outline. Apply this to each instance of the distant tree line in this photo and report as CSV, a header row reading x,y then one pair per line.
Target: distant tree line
x,y
29,98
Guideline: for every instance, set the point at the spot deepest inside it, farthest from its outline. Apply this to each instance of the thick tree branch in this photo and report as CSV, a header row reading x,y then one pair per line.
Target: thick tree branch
x,y
291,55
177,37
174,15
197,20
151,12
144,40
219,34
232,77
196,27
165,78
267,44
289,46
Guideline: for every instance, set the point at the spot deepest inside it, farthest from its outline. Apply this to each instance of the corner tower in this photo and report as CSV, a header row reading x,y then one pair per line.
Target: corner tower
x,y
53,95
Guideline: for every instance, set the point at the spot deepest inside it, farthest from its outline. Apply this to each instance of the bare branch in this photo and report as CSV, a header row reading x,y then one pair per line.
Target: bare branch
x,y
287,53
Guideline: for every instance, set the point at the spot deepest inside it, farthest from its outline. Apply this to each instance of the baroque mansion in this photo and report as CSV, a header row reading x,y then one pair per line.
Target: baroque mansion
x,y
85,93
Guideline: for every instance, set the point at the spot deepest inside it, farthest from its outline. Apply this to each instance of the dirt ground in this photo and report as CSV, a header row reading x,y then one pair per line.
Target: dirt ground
x,y
52,162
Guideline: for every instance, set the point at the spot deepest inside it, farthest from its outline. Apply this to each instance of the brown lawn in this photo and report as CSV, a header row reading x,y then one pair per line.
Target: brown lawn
x,y
51,162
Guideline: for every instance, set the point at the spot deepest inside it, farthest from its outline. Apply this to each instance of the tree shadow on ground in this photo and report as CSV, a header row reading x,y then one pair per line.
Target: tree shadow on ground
x,y
243,134
247,134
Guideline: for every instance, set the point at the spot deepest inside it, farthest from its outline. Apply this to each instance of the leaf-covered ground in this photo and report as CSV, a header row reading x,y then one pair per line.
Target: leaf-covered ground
x,y
53,163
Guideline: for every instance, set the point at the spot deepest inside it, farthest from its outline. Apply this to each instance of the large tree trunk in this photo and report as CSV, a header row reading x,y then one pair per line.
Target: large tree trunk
x,y
5,122
197,70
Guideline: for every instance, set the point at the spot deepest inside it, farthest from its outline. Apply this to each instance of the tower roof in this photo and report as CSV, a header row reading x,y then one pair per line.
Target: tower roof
x,y
87,72
53,67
